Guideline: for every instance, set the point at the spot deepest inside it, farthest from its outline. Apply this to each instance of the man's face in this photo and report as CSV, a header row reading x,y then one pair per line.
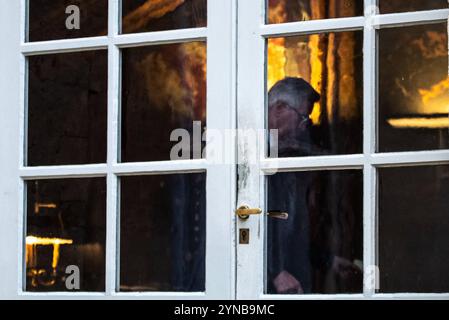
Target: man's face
x,y
289,122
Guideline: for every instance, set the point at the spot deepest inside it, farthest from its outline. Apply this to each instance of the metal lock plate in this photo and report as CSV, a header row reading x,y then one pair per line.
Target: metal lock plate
x,y
243,236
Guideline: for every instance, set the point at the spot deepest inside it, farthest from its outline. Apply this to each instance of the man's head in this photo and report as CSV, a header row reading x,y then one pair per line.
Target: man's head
x,y
290,103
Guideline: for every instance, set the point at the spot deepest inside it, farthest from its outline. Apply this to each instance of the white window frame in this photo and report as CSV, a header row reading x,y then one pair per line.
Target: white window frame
x,y
252,35
220,186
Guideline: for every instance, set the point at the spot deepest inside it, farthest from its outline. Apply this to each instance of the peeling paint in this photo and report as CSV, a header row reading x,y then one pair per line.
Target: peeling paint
x,y
243,173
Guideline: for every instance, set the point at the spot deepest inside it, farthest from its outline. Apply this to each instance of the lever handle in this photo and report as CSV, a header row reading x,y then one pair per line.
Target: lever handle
x,y
277,214
244,212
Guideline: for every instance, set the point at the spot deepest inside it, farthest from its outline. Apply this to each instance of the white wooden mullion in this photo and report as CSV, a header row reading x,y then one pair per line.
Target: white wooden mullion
x,y
312,163
409,18
411,296
369,147
356,161
65,45
354,23
23,107
112,198
23,21
308,297
120,169
160,167
410,158
382,296
122,41
69,171
160,37
114,296
21,245
312,26
22,147
112,241
220,177
161,296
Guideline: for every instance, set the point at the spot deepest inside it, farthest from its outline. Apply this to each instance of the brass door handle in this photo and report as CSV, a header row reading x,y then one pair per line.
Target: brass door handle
x,y
244,212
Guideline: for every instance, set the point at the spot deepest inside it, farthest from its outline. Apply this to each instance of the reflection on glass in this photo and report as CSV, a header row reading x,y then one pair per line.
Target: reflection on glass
x,y
389,6
164,88
315,93
413,229
67,108
413,88
66,226
318,248
56,19
158,15
162,233
281,11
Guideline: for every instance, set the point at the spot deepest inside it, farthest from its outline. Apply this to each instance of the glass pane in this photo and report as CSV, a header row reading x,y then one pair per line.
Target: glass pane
x,y
281,11
164,88
66,234
389,6
413,229
413,88
158,15
319,247
67,108
315,97
66,19
163,233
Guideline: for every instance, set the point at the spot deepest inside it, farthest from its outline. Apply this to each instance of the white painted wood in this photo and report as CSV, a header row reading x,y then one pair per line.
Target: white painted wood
x,y
112,194
113,296
220,177
270,165
66,45
410,158
161,37
356,161
312,26
396,296
22,143
122,41
221,182
410,18
313,297
251,89
68,171
10,96
159,167
369,147
122,169
354,23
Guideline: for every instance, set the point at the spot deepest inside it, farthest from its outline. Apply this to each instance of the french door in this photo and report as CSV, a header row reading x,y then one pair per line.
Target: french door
x,y
95,203
325,126
347,198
